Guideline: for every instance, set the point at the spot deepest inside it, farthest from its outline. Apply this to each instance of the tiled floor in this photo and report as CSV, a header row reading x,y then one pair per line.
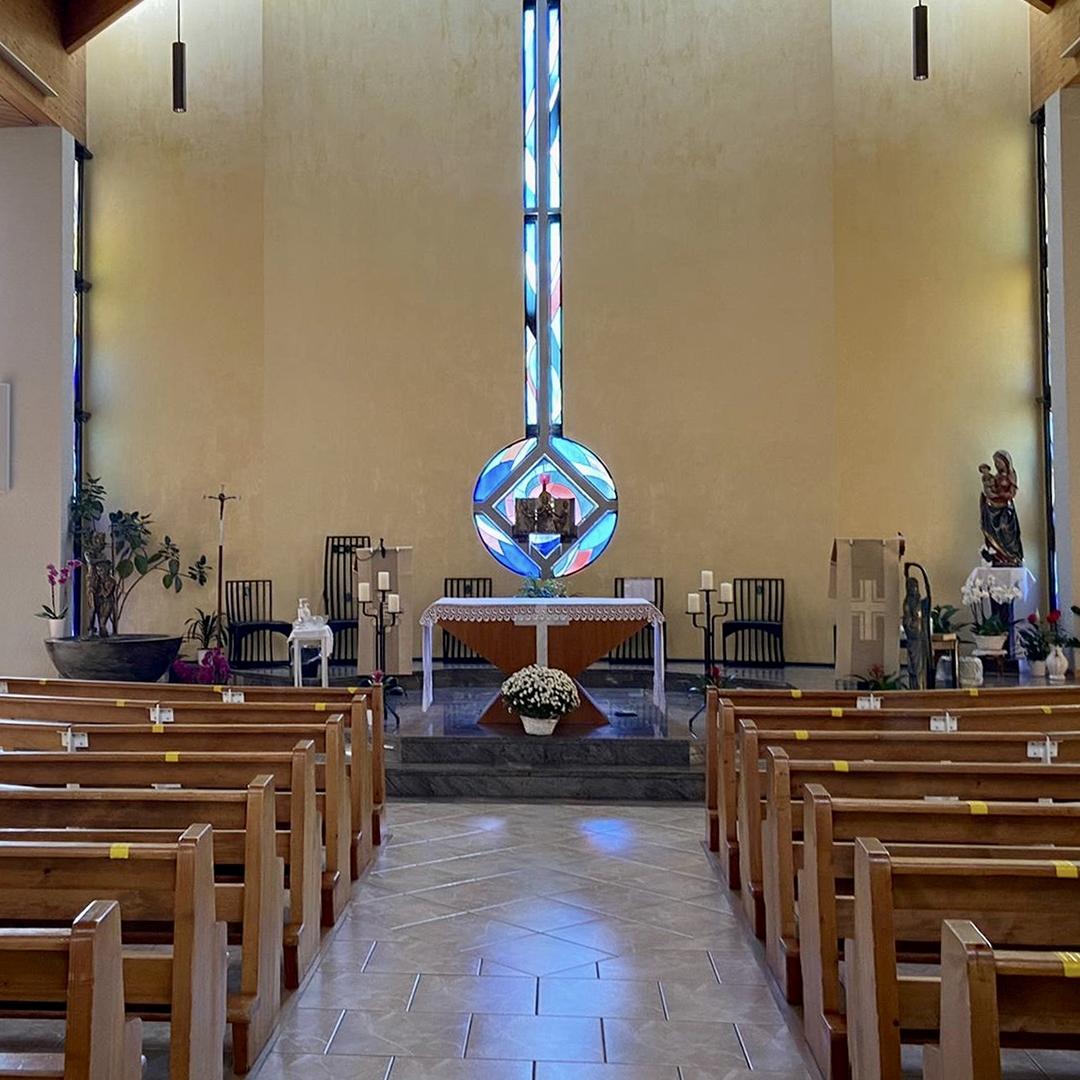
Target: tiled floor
x,y
539,941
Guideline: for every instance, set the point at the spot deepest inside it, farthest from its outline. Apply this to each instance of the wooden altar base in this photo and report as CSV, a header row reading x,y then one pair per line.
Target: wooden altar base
x,y
572,647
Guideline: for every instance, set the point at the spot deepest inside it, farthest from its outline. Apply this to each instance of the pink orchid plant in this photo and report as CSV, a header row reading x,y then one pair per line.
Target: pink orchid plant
x,y
58,580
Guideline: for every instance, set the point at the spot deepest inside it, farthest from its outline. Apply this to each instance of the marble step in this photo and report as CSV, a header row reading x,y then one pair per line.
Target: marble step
x,y
504,751
614,782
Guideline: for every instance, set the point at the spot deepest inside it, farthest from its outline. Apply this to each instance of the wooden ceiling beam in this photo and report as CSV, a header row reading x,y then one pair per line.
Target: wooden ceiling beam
x,y
80,20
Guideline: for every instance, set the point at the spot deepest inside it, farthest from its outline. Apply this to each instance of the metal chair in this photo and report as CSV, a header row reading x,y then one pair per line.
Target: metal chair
x,y
342,611
758,623
452,649
249,608
639,648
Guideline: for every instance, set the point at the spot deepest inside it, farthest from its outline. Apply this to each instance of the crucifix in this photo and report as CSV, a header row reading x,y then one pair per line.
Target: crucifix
x,y
221,499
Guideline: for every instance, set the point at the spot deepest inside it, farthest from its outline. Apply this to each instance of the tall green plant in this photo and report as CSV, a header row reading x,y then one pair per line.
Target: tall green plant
x,y
119,551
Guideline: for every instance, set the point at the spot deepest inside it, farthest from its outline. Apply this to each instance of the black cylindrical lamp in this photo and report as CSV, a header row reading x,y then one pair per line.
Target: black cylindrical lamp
x,y
920,43
179,69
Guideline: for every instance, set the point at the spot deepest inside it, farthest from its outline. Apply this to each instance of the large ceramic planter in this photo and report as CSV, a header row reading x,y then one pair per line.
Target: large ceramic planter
x,y
537,725
1057,664
123,658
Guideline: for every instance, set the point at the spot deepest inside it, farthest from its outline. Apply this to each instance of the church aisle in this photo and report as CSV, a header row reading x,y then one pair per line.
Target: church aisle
x,y
537,941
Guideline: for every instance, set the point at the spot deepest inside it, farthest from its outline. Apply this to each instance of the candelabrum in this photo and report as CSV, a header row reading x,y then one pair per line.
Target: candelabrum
x,y
384,614
700,607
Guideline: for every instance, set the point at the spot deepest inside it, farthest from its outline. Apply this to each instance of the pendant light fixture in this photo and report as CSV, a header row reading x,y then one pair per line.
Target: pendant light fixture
x,y
920,43
179,69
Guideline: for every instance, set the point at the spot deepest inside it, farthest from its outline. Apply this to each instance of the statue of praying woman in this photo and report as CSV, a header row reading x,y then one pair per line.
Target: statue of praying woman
x,y
916,636
1000,525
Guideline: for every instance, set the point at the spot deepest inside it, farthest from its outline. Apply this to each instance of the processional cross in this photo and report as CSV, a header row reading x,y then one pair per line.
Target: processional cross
x,y
221,499
545,474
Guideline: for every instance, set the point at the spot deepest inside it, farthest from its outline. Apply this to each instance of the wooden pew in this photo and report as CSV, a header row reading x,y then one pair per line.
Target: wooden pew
x,y
298,840
169,884
332,785
987,991
782,829
719,754
846,746
1022,902
83,968
367,773
930,830
253,907
175,691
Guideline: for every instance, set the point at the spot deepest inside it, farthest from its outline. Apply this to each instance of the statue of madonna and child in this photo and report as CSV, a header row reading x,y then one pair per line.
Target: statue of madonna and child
x,y
997,510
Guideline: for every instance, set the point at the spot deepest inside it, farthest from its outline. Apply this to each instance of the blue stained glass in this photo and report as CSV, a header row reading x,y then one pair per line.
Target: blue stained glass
x,y
583,461
529,63
532,351
561,484
497,471
554,109
588,548
503,548
555,378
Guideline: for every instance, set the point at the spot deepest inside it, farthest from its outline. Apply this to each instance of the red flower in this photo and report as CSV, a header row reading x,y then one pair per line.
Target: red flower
x,y
1033,618
1053,617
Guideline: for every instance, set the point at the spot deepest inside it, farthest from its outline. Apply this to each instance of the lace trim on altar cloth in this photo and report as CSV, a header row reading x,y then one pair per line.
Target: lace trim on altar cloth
x,y
540,612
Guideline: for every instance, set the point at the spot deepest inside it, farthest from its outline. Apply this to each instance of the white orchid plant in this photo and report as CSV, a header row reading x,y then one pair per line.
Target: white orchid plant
x,y
981,594
541,692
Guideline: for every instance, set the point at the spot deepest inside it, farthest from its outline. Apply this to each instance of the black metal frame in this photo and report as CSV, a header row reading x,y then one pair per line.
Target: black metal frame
x,y
1045,400
453,650
766,636
639,648
81,287
342,611
252,625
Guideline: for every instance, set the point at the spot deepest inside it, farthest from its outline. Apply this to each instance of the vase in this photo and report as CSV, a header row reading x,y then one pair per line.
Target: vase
x,y
1057,663
539,725
1037,669
971,671
57,628
990,643
121,658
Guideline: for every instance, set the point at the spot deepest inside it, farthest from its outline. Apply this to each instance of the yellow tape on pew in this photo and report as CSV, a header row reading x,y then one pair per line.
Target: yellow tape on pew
x,y
1066,869
796,693
978,807
841,766
119,851
351,689
837,712
320,706
172,755
120,702
802,734
1070,964
157,729
218,689
1048,709
973,691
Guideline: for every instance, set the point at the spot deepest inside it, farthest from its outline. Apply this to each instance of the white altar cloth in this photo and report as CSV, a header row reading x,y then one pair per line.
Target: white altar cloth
x,y
543,612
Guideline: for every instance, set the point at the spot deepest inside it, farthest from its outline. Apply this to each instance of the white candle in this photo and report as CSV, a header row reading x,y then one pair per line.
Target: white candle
x,y
727,593
693,603
363,591
393,602
384,581
706,579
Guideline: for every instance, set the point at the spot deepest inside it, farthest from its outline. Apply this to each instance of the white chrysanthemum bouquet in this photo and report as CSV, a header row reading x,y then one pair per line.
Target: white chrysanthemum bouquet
x,y
541,692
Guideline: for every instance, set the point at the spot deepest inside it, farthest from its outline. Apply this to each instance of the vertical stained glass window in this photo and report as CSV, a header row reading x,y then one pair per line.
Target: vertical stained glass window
x,y
555,409
554,95
532,345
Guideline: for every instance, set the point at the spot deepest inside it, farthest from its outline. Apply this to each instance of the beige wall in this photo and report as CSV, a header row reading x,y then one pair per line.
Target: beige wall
x,y
798,285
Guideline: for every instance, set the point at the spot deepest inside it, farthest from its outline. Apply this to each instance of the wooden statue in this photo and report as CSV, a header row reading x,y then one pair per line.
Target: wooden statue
x,y
1000,524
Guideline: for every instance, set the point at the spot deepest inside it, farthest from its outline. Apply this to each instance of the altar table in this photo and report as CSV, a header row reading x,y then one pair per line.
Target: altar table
x,y
568,633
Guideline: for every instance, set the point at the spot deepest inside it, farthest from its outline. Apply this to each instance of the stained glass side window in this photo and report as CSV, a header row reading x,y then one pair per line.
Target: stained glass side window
x,y
554,108
555,373
532,345
529,66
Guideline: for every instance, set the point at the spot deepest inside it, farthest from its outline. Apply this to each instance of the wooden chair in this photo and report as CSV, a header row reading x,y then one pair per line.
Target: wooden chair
x,y
299,843
249,608
453,650
782,827
757,625
165,885
252,907
82,968
1018,903
639,648
342,610
986,992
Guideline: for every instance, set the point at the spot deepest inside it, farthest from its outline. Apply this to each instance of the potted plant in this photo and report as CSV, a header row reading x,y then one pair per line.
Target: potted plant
x,y
205,629
56,611
541,696
1035,643
118,552
211,669
877,678
988,601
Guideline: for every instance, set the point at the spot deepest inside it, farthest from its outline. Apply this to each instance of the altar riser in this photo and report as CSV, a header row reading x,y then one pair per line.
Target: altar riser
x,y
658,784
559,751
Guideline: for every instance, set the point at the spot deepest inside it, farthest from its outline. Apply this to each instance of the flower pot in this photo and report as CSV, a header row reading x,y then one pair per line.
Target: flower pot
x,y
971,671
122,658
539,725
1057,664
1037,669
57,628
992,643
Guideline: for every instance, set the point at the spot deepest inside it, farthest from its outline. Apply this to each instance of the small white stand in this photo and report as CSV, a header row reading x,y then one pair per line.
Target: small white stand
x,y
319,635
